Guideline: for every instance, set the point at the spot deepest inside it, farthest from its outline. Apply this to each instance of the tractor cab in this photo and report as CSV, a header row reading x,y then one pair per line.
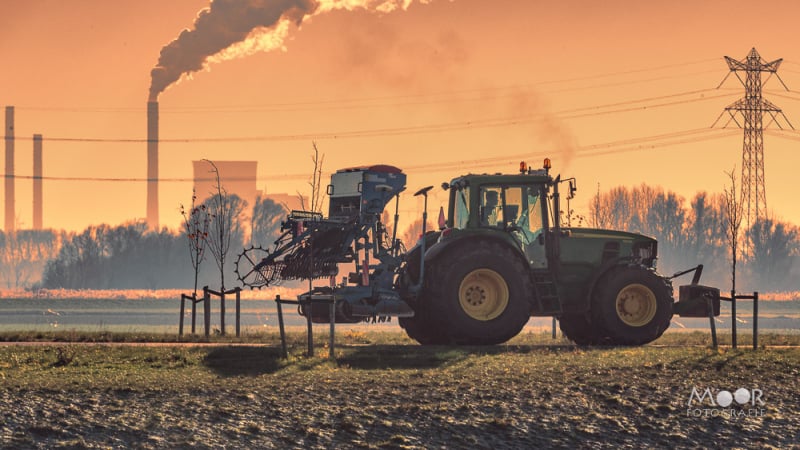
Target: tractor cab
x,y
515,204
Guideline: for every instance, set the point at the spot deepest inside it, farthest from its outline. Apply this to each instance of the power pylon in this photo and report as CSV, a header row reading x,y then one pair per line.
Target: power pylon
x,y
753,107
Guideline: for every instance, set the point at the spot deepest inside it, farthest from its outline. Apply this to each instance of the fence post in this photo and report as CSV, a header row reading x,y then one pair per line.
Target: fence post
x,y
194,309
733,319
280,325
554,327
755,320
333,321
180,321
710,306
207,310
238,309
222,312
310,330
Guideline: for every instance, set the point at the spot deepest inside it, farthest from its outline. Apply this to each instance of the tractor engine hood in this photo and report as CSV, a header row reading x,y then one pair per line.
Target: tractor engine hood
x,y
578,243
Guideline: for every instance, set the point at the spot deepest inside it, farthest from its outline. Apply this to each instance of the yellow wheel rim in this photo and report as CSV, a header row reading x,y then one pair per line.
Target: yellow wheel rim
x,y
483,294
636,305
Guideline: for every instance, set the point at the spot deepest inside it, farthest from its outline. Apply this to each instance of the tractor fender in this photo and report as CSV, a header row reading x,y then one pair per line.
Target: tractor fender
x,y
603,270
441,248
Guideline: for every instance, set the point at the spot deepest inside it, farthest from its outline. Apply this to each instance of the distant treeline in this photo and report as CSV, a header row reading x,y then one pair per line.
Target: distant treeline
x,y
129,256
695,233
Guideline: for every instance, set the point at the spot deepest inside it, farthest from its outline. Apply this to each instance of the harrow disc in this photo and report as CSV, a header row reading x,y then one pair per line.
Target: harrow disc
x,y
253,272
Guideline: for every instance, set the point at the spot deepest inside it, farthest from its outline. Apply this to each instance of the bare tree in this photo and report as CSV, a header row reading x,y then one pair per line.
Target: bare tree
x,y
733,222
315,182
196,224
599,211
224,212
413,232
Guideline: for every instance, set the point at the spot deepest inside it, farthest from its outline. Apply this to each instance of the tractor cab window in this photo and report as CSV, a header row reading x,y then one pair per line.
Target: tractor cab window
x,y
461,209
491,206
514,207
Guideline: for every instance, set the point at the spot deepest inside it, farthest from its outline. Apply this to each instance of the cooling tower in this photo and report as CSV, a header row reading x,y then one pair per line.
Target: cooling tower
x,y
37,182
9,168
152,165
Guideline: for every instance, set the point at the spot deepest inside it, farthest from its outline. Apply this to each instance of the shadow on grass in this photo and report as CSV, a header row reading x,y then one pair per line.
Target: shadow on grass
x,y
244,361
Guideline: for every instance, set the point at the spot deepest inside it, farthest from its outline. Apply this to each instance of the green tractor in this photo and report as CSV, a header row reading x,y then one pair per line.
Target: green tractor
x,y
502,256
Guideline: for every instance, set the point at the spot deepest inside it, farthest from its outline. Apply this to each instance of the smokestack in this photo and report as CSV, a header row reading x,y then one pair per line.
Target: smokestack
x,y
10,208
152,165
37,181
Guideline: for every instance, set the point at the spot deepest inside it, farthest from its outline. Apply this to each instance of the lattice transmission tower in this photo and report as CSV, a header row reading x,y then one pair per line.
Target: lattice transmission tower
x,y
748,113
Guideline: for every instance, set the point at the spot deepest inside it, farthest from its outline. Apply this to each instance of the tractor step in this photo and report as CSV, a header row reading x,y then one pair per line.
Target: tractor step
x,y
547,298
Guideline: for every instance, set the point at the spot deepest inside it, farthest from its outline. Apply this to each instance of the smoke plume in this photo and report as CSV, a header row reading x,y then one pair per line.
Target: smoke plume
x,y
229,29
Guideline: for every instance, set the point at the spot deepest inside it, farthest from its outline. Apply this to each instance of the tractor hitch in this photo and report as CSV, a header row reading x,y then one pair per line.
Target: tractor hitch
x,y
696,300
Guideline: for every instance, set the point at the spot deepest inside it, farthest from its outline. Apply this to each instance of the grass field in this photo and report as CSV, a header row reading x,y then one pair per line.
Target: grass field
x,y
382,391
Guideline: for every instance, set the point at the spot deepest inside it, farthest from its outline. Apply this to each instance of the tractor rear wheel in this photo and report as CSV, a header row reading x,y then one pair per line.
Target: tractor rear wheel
x,y
631,306
480,294
422,328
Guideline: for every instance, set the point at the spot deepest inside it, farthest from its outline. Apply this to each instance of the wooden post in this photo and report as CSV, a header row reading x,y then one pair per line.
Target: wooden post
x,y
733,319
710,306
310,329
280,326
194,310
222,312
554,327
755,320
207,310
238,308
180,321
333,321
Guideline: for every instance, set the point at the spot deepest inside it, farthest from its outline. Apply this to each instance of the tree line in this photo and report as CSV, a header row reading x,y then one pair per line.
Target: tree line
x,y
130,256
695,233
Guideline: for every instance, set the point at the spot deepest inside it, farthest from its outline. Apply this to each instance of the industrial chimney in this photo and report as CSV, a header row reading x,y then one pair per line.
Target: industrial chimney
x,y
152,165
37,182
10,208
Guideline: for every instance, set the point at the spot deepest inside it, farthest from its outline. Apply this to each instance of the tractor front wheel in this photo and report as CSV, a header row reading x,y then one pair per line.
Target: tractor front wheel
x,y
631,306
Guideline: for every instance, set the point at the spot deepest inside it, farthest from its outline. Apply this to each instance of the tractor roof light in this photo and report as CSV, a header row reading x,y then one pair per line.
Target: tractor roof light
x,y
547,164
523,167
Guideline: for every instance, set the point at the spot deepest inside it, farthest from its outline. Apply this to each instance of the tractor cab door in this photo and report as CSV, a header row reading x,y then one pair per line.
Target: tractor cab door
x,y
516,209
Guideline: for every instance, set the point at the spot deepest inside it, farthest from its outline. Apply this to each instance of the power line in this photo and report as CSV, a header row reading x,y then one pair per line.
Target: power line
x,y
621,146
339,102
419,129
778,94
793,135
600,146
625,146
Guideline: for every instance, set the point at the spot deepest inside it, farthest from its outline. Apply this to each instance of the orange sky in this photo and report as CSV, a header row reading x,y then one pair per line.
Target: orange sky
x,y
432,90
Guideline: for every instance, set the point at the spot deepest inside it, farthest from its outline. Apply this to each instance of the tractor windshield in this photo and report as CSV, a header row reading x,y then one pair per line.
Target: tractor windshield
x,y
514,207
